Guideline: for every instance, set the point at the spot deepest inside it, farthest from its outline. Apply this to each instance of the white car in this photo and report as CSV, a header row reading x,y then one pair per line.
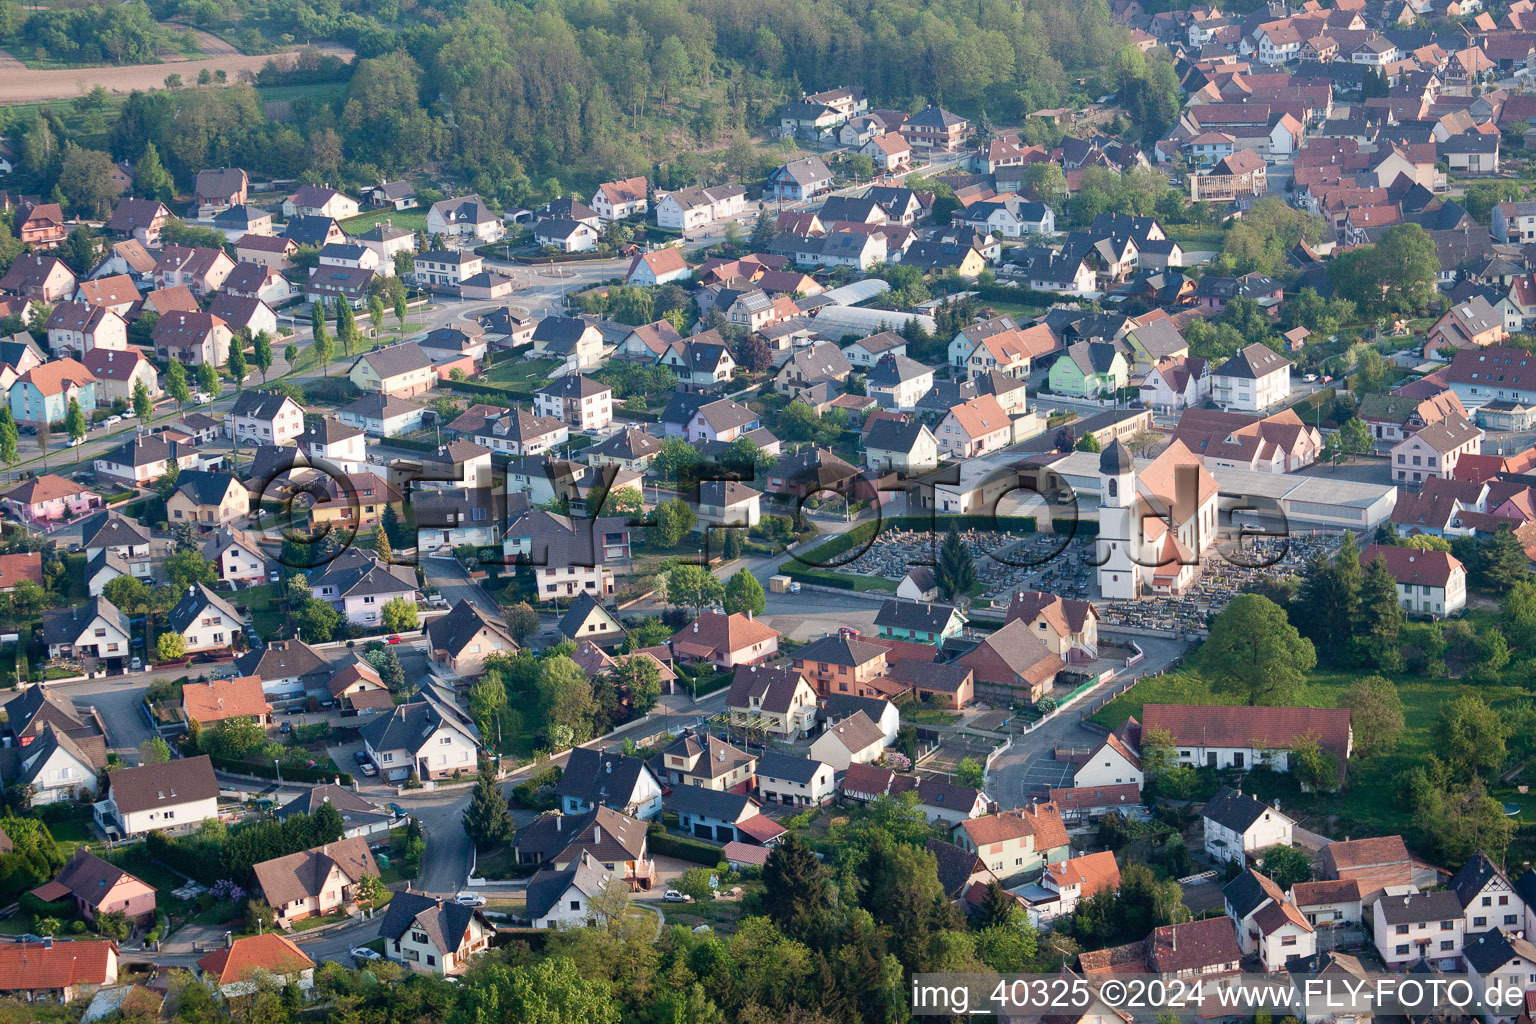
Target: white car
x,y
469,899
1310,378
673,896
113,421
364,953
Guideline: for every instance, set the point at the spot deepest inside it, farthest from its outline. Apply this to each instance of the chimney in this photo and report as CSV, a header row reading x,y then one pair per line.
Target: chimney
x,y
597,833
559,821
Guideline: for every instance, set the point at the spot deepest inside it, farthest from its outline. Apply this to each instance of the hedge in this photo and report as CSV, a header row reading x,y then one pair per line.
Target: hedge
x,y
410,444
476,387
1079,527
683,848
265,770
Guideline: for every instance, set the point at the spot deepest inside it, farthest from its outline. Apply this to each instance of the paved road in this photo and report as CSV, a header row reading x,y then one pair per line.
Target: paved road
x,y
1029,765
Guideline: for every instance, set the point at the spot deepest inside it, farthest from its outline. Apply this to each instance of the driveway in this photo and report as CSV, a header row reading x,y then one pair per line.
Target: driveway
x,y
453,582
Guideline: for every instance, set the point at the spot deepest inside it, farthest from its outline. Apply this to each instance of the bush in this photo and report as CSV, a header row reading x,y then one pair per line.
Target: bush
x,y
684,848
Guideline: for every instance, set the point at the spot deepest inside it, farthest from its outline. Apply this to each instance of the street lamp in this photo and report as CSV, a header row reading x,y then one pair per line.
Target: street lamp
x,y
276,763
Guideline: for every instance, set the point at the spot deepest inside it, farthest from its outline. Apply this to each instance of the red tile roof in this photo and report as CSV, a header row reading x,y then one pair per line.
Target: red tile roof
x,y
224,698
270,952
28,966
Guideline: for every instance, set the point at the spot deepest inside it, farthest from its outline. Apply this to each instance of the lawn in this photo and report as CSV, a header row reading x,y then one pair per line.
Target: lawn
x,y
919,715
525,374
1369,803
311,923
1196,239
410,220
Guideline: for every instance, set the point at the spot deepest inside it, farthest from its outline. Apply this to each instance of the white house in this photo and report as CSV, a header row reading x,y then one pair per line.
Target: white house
x,y
1487,897
1252,381
1238,825
1429,583
690,208
1497,963
852,740
562,897
793,781
618,781
429,935
428,736
1330,902
1420,925
1112,764
265,417
205,620
56,767
177,794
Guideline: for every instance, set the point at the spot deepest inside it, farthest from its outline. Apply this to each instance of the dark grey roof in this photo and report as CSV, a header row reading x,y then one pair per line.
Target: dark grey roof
x,y
922,616
893,436
1234,810
197,599
328,430
1488,951
359,573
628,443
547,887
699,801
453,631
396,359
892,369
1473,876
599,777
580,610
204,487
836,706
283,659
1423,906
260,404
144,450
407,725
956,866
111,530
307,229
1116,460
65,625
354,810
1253,362
568,329
1249,891
434,917
774,765
574,385
378,407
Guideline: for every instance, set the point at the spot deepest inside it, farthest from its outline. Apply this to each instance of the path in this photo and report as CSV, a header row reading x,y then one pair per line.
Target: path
x,y
20,84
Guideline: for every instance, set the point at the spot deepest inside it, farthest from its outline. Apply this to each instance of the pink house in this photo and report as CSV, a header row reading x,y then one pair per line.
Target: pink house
x,y
47,498
100,888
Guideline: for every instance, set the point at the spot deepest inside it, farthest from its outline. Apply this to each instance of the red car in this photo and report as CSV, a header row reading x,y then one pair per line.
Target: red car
x,y
392,639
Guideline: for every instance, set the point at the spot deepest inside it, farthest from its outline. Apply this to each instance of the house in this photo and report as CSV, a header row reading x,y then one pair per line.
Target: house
x,y
562,897
1471,324
1230,737
1429,583
896,446
43,393
704,761
1013,663
387,240
202,270
430,935
265,417
145,458
571,339
1089,804
141,219
315,882
662,266
1415,926
1253,380
728,503
935,128
98,888
75,328
594,778
398,195
331,284
46,499
207,499
1278,443
690,208
192,338
620,200
24,565
402,371
256,281
799,180
1498,962
1267,925
1434,451
320,201
287,668
40,225
793,781
565,553
1328,902
616,841
359,585
565,235
1238,827
1240,173
356,685
216,190
626,448
1068,627
61,972
1488,899
464,217
1089,369
974,428
855,739
722,816
118,373
427,737
702,362
117,293
205,620
39,278
274,253
245,964
461,640
577,400
841,663
252,316
220,699
890,152
124,538
924,623
809,366
1017,843
725,641
328,440
587,621
177,794
381,415
1112,763
1072,881
53,766
897,382
951,685
777,701
1470,153
1010,217
358,816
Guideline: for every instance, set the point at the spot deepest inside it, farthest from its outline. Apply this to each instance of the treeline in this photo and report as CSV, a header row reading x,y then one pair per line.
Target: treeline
x,y
112,33
522,102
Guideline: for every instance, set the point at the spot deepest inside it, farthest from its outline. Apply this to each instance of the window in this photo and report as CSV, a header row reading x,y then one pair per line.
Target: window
x,y
1402,929
1447,946
1401,950
575,904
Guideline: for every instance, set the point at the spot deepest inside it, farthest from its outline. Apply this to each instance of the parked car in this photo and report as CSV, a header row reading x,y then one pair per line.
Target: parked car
x,y
1310,378
469,899
365,954
361,757
368,770
136,664
393,638
673,896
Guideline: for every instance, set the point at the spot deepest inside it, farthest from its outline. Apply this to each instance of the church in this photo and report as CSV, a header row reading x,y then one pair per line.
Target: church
x,y
1154,526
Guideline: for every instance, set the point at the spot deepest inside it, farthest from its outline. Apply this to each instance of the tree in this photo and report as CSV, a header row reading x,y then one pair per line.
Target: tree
x,y
1470,737
369,890
691,586
970,773
150,178
185,568
1287,865
763,231
317,621
955,571
626,501
143,406
237,365
487,702
1089,443
322,338
1256,653
1502,562
400,615
176,384
744,594
797,897
1315,768
74,421
1329,595
1455,825
86,177
171,646
208,381
522,620
1375,714
261,350
487,820
1379,621
671,522
381,547
565,695
639,676
346,326
401,306
154,751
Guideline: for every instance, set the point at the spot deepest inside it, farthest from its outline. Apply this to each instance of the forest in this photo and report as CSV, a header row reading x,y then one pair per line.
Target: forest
x,y
523,101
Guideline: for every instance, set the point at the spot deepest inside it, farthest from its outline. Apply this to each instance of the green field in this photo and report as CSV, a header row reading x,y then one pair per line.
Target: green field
x,y
1369,803
523,374
410,220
